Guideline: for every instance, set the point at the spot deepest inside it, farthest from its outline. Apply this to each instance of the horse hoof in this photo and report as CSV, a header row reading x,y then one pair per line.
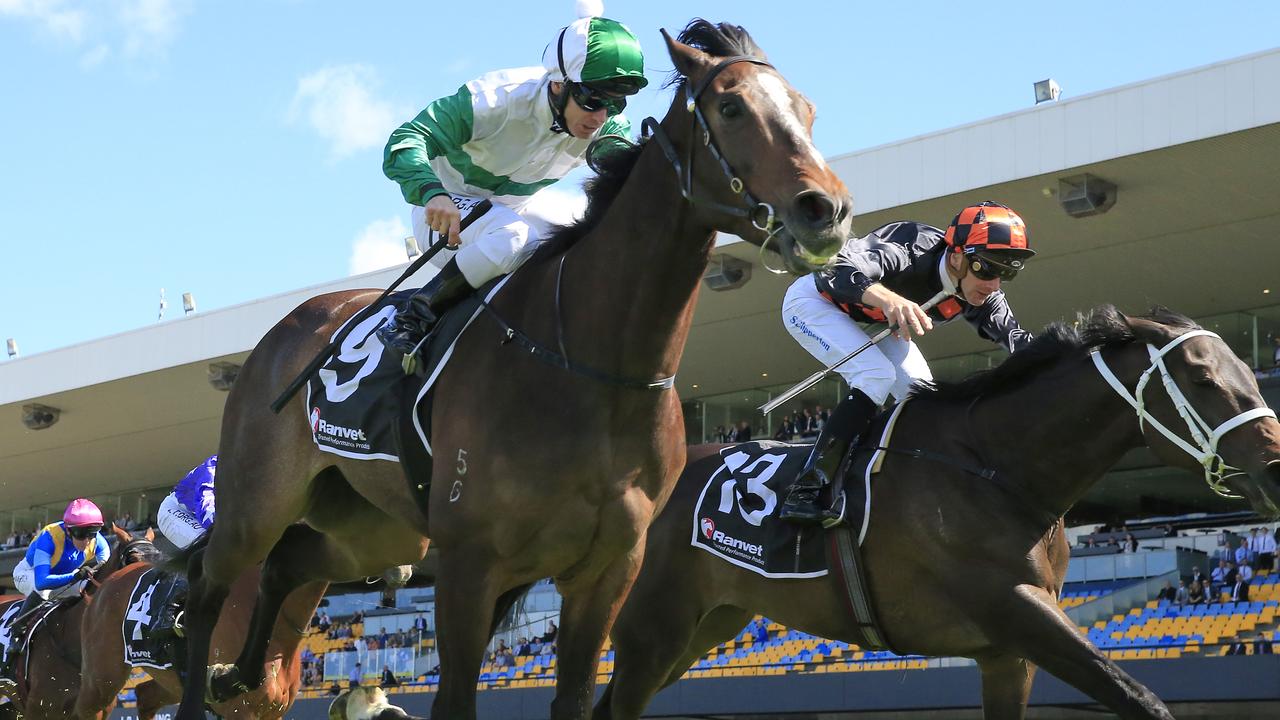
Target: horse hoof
x,y
225,683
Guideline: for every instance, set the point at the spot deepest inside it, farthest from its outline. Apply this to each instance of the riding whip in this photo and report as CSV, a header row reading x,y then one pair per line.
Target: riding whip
x,y
815,378
323,356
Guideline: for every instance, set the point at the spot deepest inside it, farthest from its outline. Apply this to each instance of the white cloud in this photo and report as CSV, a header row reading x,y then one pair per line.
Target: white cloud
x,y
53,15
149,25
380,245
136,27
340,105
95,57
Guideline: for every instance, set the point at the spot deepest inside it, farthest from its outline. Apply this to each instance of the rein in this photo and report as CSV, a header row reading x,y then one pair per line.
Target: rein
x,y
1206,437
561,359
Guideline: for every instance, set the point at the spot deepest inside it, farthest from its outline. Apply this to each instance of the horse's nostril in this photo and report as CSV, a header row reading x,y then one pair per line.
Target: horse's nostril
x,y
815,209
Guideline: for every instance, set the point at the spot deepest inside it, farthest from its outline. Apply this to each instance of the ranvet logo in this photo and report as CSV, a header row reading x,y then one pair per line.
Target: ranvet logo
x,y
708,527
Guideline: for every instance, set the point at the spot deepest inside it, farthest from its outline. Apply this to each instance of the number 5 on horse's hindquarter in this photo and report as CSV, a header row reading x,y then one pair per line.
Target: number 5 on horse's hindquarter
x,y
959,565
568,453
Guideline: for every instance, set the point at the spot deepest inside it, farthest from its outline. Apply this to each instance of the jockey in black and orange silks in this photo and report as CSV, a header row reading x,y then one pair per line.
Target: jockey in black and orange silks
x,y
884,277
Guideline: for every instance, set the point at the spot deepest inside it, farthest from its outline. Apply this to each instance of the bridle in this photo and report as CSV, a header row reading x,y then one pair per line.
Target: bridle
x,y
761,214
1205,450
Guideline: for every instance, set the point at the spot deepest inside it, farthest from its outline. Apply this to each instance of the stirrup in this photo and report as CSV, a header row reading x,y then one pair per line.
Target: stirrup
x,y
834,515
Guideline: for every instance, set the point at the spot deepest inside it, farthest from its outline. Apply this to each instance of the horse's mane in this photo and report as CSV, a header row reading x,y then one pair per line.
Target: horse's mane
x,y
612,170
1103,327
614,167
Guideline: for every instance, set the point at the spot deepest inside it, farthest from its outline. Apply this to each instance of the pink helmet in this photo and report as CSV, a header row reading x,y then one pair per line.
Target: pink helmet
x,y
81,513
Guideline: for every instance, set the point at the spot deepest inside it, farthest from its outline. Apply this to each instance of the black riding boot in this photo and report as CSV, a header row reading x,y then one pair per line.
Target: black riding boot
x,y
848,420
404,331
17,636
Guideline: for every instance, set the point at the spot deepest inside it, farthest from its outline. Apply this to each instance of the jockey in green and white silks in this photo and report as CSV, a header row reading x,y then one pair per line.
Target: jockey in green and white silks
x,y
502,137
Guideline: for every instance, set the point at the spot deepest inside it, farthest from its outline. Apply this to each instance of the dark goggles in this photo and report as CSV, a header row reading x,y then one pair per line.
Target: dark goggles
x,y
594,100
84,533
985,267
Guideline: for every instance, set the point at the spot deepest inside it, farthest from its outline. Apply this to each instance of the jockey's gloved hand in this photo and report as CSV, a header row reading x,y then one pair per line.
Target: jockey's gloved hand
x,y
84,572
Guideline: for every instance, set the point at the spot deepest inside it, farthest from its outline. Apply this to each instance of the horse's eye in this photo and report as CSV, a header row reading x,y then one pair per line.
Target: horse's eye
x,y
1204,378
730,108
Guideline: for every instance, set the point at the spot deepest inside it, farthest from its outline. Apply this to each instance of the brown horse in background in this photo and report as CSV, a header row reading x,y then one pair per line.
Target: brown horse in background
x,y
540,469
959,565
48,671
103,671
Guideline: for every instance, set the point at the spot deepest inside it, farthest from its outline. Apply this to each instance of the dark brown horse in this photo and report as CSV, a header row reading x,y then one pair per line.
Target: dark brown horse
x,y
103,671
48,671
958,565
538,471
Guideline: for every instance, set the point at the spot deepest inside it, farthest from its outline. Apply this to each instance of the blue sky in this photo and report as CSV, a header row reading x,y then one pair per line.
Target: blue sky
x,y
233,149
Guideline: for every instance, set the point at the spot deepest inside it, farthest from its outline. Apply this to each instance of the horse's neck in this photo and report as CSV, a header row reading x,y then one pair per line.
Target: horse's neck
x,y
1060,432
638,271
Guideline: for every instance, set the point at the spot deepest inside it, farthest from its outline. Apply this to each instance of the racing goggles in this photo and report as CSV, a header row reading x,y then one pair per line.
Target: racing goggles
x,y
595,100
84,533
985,267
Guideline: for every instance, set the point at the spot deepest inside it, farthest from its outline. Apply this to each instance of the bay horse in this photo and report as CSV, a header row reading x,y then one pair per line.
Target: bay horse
x,y
958,565
103,671
48,670
541,469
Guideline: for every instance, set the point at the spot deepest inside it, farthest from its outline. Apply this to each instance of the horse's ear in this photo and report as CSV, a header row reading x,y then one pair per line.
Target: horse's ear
x,y
690,61
1146,330
151,535
120,534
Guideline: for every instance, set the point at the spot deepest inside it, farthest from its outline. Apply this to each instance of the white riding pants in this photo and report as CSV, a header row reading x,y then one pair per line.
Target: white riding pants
x,y
886,368
24,578
497,242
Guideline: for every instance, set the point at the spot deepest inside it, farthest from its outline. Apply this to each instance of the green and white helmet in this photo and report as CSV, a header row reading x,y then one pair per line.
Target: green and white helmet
x,y
597,52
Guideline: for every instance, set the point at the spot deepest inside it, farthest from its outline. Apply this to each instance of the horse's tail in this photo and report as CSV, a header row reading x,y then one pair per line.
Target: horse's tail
x,y
180,560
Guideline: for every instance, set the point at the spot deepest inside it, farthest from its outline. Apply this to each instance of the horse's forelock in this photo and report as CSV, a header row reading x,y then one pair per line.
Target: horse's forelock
x,y
717,40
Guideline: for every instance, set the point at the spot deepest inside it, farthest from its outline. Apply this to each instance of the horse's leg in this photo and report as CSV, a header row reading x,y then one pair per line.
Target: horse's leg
x,y
467,593
649,660
97,696
1029,623
151,697
1006,683
299,557
205,595
586,617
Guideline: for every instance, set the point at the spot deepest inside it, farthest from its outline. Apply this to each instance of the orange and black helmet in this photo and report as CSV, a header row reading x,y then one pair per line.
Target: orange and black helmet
x,y
993,233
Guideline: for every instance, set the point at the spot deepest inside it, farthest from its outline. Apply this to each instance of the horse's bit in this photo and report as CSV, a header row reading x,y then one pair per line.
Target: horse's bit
x,y
761,214
1215,468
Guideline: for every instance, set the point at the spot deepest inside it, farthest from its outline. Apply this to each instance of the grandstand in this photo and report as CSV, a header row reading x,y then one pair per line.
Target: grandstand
x,y
1194,156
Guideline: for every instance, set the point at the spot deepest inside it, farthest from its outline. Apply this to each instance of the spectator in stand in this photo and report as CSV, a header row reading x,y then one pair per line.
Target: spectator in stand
x,y
1275,358
550,635
1224,551
1267,553
760,631
1167,592
786,429
389,678
807,425
1183,595
1237,648
1130,543
720,435
503,659
1195,594
1218,578
743,434
821,414
335,688
502,647
1090,543
1240,591
1242,552
1263,645
356,675
323,621
522,647
1197,575
1245,573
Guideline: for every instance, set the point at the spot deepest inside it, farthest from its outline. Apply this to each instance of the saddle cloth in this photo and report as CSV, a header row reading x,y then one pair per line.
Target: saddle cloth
x,y
354,401
154,590
736,516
